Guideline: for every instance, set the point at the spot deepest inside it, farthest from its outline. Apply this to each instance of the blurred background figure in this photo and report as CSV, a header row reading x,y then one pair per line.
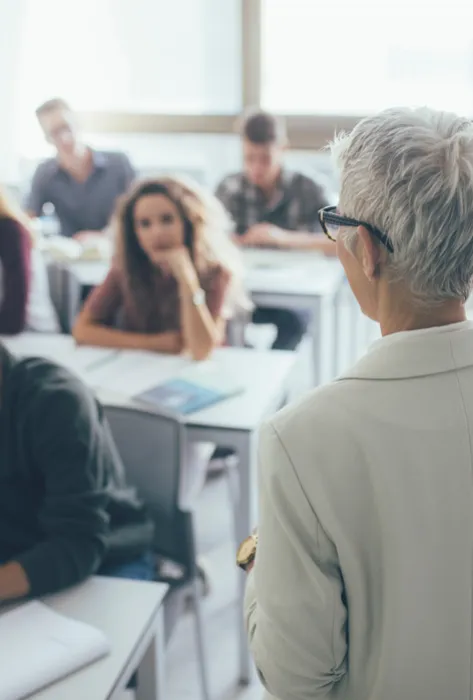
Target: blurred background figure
x,y
25,303
174,267
273,207
82,184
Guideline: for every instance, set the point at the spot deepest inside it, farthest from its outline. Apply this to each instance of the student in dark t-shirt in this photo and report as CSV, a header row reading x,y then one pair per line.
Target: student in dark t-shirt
x,y
81,183
65,509
273,207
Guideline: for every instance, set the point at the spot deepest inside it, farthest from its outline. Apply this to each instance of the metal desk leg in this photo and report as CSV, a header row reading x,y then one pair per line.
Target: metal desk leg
x,y
245,521
151,674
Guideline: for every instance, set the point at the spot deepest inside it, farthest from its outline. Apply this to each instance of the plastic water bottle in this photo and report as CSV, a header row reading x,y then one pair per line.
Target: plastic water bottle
x,y
49,222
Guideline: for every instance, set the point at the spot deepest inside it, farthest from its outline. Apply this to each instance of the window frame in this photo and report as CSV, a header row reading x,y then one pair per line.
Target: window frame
x,y
307,132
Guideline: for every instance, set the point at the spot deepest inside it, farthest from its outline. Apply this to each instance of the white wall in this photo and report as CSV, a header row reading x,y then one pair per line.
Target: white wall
x,y
11,14
206,157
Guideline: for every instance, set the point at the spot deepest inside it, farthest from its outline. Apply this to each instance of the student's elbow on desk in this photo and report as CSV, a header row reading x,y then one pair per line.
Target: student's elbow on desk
x,y
85,330
202,350
199,354
80,332
59,563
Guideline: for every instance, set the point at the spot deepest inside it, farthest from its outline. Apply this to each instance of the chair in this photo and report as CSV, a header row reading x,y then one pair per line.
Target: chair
x,y
65,291
167,474
235,335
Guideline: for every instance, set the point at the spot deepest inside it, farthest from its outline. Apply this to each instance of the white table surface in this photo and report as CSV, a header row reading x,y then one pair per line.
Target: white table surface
x,y
232,423
90,272
58,348
260,374
126,611
271,271
295,273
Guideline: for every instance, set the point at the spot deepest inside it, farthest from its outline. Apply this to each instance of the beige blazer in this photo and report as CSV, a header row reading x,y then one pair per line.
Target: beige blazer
x,y
363,583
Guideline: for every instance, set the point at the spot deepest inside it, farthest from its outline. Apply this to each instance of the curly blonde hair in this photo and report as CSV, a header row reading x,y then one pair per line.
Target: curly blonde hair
x,y
207,235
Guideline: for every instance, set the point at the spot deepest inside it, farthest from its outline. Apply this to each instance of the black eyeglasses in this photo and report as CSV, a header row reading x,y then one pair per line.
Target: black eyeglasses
x,y
328,217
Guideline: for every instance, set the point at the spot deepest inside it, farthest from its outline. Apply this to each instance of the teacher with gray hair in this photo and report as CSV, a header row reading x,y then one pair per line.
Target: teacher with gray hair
x,y
361,581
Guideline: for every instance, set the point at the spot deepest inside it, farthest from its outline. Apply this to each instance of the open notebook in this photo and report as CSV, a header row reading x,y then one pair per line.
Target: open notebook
x,y
38,647
193,389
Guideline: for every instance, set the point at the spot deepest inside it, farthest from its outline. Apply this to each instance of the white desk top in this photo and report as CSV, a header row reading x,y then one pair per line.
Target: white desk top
x,y
124,610
295,273
264,375
318,277
90,272
61,349
272,257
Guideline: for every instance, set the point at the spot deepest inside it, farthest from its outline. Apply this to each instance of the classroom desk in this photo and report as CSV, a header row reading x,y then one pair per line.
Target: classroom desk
x,y
61,349
265,376
130,614
301,281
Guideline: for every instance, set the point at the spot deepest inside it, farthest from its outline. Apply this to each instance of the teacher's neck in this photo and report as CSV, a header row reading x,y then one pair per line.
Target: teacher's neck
x,y
398,316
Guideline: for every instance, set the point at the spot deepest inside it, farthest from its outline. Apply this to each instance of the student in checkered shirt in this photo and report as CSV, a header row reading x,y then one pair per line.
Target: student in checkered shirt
x,y
273,207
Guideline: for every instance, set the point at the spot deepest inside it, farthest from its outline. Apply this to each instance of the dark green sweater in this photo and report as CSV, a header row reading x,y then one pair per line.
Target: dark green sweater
x,y
65,509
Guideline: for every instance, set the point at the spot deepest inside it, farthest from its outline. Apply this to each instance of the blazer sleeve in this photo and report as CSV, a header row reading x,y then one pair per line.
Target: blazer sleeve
x,y
15,259
294,608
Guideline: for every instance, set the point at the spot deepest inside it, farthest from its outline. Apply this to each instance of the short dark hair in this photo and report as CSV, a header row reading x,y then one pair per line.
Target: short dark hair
x,y
258,126
51,105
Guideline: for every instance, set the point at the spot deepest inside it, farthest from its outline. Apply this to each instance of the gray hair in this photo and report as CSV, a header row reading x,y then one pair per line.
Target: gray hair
x,y
409,173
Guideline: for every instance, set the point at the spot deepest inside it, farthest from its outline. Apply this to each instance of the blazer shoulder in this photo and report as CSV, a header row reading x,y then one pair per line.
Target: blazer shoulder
x,y
316,420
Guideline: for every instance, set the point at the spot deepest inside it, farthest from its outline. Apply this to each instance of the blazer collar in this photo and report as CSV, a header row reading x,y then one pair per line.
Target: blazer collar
x,y
417,353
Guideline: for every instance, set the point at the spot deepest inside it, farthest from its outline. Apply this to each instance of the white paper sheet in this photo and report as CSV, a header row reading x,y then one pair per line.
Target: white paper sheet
x,y
38,647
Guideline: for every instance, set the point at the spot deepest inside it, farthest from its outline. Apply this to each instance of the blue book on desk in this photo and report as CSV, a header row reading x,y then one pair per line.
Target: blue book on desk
x,y
185,396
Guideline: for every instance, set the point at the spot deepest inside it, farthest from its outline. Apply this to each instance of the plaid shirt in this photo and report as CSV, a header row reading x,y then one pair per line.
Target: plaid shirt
x,y
293,207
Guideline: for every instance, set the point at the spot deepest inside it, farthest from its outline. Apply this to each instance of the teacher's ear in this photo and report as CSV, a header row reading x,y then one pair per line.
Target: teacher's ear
x,y
368,253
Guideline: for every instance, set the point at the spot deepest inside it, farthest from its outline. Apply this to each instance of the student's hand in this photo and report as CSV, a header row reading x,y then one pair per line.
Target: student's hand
x,y
236,239
176,262
87,236
265,235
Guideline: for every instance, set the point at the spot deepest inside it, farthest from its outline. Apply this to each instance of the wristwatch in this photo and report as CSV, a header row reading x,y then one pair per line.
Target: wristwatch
x,y
198,298
247,552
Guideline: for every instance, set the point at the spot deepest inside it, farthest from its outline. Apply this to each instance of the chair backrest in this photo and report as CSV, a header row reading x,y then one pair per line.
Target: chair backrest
x,y
235,333
151,448
65,291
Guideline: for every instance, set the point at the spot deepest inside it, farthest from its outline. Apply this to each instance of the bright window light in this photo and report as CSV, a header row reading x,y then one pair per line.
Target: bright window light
x,y
354,58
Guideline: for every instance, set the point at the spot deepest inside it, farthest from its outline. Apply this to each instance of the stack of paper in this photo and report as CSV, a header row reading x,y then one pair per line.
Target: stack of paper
x,y
39,646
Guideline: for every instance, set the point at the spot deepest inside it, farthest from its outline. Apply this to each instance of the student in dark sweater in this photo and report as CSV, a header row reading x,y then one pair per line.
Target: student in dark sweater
x,y
65,509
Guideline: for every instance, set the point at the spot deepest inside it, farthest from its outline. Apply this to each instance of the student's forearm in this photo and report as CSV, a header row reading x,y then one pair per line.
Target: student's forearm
x,y
13,581
199,330
101,336
304,240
